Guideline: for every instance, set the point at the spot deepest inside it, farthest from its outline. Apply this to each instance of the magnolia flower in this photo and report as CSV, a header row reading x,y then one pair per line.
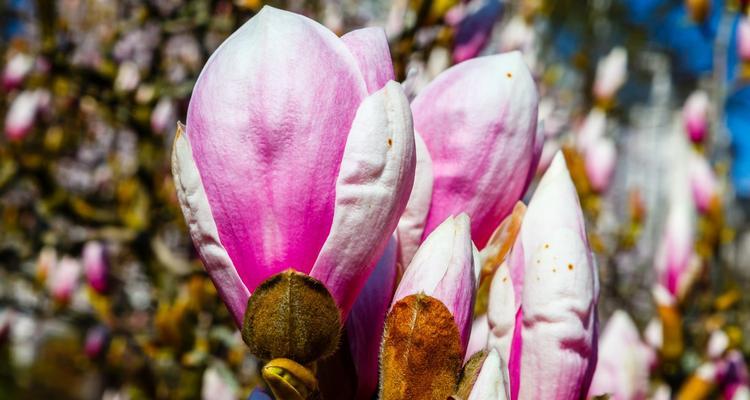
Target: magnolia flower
x,y
128,77
163,115
64,279
542,306
478,120
23,110
491,384
591,130
611,73
474,29
622,370
308,170
703,184
743,39
95,266
718,343
444,269
674,260
218,384
734,377
695,116
600,159
411,224
16,69
96,338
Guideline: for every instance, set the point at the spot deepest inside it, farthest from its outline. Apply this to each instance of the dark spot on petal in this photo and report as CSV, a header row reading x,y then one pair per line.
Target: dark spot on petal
x,y
570,267
546,246
390,142
509,75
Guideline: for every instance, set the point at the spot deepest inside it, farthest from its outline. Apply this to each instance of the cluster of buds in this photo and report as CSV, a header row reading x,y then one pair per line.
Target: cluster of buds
x,y
333,210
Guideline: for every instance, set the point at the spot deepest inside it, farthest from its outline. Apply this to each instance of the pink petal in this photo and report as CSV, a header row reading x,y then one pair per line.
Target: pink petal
x,y
474,30
64,279
21,114
373,186
743,38
703,183
370,48
491,384
367,319
559,294
478,120
624,361
268,144
611,73
203,231
695,116
443,268
95,265
411,224
599,161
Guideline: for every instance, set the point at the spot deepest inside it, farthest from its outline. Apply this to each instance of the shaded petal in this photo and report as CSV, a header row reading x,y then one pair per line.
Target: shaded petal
x,y
443,268
559,292
269,145
377,173
501,312
480,329
203,231
491,384
370,48
367,319
411,224
478,120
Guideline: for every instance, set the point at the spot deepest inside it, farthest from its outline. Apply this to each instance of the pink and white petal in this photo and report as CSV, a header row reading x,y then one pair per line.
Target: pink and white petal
x,y
366,321
492,383
373,186
411,224
501,312
443,268
203,231
478,120
268,146
559,293
370,48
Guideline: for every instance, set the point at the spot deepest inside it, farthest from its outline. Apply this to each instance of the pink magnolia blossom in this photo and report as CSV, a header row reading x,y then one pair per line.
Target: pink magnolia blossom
x,y
743,39
611,73
474,29
675,257
600,160
622,370
64,279
703,184
367,320
695,116
444,269
16,69
542,308
479,122
591,130
23,111
309,169
163,116
96,338
95,266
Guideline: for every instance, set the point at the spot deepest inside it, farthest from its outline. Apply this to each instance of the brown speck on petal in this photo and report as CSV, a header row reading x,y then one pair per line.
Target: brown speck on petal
x,y
509,75
546,246
390,142
570,267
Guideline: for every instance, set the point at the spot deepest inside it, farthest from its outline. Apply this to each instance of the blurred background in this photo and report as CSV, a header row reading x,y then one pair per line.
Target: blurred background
x,y
101,295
